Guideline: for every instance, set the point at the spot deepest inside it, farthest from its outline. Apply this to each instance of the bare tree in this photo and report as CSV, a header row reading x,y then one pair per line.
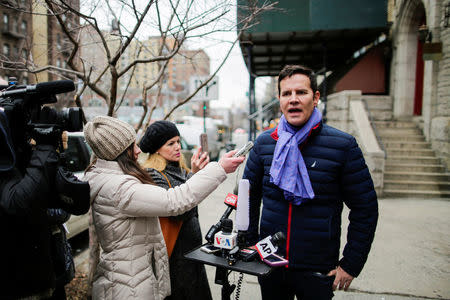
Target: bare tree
x,y
116,33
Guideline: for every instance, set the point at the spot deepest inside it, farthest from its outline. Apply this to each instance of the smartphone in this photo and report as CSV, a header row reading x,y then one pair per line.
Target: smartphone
x,y
274,260
204,142
209,248
244,150
248,254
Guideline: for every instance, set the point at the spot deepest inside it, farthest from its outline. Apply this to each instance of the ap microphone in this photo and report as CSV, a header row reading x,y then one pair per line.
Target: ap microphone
x,y
269,245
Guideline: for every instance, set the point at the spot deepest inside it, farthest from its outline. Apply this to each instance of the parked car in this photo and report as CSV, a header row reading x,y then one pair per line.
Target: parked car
x,y
78,155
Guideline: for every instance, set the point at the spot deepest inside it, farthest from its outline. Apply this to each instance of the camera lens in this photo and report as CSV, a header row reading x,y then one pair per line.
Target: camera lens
x,y
70,119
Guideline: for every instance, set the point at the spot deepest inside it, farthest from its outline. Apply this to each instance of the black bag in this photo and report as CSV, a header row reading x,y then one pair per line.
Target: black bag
x,y
74,194
63,263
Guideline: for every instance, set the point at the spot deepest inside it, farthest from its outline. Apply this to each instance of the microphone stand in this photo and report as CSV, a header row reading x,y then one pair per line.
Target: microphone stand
x,y
222,279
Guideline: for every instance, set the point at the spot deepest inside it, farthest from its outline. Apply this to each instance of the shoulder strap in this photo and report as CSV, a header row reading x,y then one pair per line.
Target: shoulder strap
x,y
167,179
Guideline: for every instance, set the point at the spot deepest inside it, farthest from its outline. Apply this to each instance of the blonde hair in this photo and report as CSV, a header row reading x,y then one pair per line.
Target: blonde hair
x,y
159,163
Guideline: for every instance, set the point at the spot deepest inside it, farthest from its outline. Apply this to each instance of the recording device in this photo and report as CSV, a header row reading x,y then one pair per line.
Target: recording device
x,y
22,105
230,201
244,150
204,142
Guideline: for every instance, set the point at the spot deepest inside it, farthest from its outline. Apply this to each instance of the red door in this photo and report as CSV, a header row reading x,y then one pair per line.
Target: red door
x,y
418,92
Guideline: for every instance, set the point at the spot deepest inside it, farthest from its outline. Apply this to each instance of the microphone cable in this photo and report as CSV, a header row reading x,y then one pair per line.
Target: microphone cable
x,y
238,286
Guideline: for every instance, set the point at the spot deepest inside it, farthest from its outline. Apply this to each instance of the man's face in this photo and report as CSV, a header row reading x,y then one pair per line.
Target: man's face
x,y
297,99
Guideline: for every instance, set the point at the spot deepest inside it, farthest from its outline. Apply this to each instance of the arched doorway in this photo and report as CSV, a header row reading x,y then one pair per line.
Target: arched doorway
x,y
408,64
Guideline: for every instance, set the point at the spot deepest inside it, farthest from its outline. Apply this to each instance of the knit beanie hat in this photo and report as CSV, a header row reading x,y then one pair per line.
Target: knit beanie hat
x,y
157,135
109,137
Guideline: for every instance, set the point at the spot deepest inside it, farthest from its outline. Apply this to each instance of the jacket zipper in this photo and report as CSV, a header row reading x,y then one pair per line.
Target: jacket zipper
x,y
288,233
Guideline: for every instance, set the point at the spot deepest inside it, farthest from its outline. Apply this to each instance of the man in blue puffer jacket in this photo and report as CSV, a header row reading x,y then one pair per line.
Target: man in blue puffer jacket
x,y
304,171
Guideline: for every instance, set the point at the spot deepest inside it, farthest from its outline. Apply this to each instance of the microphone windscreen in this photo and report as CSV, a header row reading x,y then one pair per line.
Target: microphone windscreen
x,y
55,87
243,205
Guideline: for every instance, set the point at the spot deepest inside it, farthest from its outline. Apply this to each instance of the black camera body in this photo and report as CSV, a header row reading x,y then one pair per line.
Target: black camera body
x,y
22,105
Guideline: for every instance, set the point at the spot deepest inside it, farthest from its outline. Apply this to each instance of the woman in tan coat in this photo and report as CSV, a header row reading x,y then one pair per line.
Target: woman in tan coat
x,y
125,210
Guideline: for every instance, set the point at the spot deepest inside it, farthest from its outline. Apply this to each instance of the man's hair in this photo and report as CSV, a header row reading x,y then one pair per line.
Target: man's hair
x,y
290,70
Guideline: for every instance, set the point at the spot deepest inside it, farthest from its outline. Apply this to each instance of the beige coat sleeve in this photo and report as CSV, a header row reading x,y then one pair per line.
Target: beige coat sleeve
x,y
145,200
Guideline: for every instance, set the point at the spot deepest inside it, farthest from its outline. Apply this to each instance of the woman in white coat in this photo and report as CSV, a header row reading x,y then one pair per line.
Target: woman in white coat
x,y
125,207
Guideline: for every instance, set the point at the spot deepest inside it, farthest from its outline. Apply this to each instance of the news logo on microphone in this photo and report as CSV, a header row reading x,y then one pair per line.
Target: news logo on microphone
x,y
225,240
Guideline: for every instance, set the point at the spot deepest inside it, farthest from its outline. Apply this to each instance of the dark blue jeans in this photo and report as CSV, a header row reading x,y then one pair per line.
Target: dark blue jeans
x,y
284,284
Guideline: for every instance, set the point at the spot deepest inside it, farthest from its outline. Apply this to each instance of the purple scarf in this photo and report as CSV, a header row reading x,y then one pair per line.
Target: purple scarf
x,y
288,170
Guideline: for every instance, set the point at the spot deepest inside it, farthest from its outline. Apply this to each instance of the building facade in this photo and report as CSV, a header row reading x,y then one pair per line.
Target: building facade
x,y
420,68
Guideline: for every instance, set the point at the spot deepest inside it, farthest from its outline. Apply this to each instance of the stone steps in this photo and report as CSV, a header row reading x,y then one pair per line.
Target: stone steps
x,y
407,145
411,167
417,176
404,138
409,152
396,167
412,160
398,124
415,194
399,131
416,185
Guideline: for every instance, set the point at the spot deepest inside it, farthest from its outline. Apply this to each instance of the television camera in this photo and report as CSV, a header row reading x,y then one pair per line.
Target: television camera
x,y
23,117
23,106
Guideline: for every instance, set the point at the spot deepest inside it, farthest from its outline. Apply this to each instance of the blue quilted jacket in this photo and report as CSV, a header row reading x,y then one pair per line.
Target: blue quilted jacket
x,y
338,175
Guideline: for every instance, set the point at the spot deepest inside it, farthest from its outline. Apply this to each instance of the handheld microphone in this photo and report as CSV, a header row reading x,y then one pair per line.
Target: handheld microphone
x,y
226,238
269,245
51,87
230,201
242,211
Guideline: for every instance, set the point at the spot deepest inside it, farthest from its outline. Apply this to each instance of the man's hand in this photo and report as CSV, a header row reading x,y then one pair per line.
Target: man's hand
x,y
342,280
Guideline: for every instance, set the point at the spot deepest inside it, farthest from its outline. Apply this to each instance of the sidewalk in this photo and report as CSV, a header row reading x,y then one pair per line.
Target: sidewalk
x,y
410,257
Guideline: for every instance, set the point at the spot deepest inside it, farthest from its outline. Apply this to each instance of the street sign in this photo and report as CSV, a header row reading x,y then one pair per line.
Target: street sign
x,y
209,92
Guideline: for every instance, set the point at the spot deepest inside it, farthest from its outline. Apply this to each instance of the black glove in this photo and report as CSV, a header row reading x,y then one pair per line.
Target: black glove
x,y
45,131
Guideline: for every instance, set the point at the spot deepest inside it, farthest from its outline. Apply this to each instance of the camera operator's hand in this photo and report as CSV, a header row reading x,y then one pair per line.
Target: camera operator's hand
x,y
45,131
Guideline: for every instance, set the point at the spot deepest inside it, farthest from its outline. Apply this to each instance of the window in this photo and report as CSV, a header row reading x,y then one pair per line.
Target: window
x,y
24,54
23,27
6,50
58,63
15,25
58,41
5,22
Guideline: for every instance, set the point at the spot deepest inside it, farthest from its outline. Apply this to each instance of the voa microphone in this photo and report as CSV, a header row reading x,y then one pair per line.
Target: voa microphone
x,y
226,238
